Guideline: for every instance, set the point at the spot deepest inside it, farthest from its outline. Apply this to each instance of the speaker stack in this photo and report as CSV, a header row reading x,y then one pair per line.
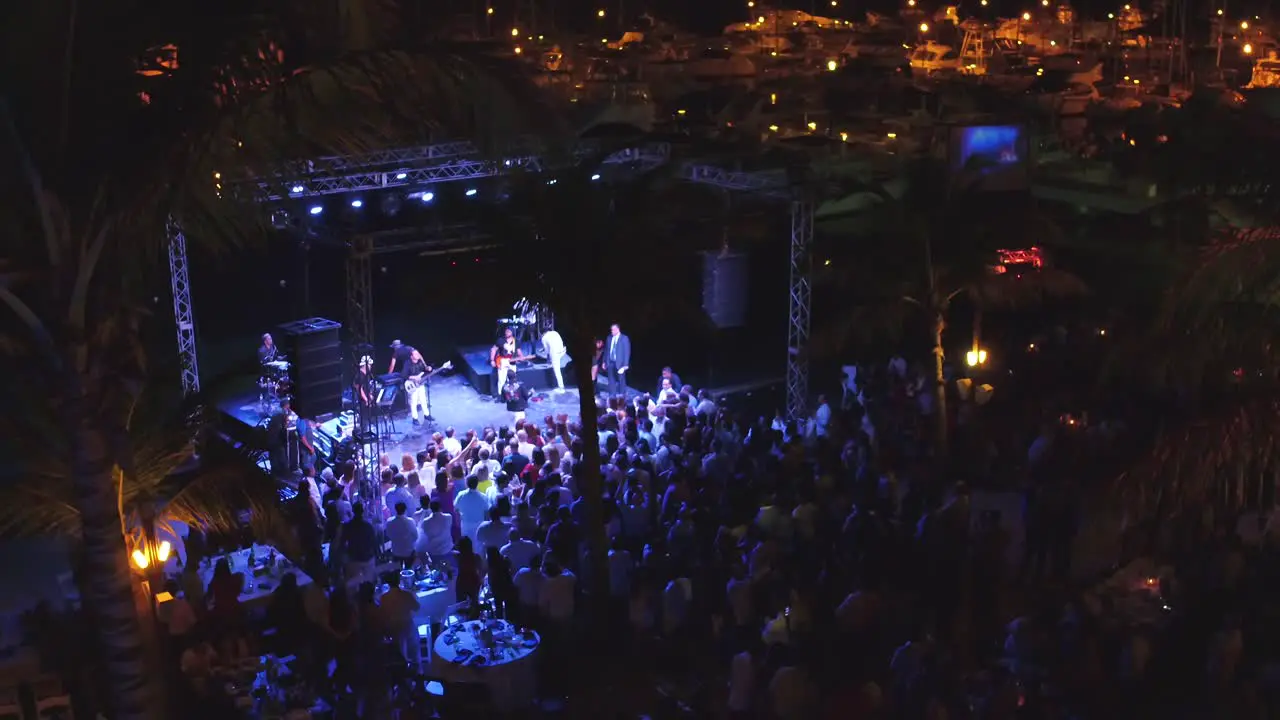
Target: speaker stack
x,y
315,352
724,288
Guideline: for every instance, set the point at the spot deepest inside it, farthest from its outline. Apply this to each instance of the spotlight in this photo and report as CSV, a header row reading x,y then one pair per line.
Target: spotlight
x,y
316,209
296,189
471,192
401,176
280,219
428,196
357,204
596,176
551,182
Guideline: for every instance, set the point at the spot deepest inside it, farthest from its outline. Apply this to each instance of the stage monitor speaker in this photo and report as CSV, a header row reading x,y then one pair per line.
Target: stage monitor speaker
x,y
315,353
724,288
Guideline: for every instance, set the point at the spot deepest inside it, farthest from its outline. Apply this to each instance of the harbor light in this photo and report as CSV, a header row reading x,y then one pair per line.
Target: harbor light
x,y
911,3
976,357
1244,24
1248,49
924,27
489,11
600,13
760,19
832,65
1026,16
515,32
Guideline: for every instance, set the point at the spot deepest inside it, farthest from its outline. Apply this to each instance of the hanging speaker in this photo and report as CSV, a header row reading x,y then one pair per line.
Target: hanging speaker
x,y
724,288
315,356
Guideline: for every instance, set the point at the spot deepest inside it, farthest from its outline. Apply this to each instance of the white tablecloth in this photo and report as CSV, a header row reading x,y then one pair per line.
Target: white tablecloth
x,y
257,588
510,677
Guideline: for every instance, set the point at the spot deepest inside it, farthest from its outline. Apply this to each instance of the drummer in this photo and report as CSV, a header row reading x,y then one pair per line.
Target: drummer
x,y
268,353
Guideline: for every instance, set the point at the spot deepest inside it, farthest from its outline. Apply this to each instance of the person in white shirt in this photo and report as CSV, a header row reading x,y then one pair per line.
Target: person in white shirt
x,y
471,505
313,489
822,417
400,493
523,445
529,581
492,533
553,349
706,406
403,535
438,531
451,443
519,551
555,598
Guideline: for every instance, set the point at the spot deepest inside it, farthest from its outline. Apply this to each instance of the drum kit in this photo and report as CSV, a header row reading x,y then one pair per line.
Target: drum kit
x,y
274,386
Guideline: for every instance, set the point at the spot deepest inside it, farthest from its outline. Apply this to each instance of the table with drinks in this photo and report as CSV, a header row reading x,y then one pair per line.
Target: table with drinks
x,y
491,652
263,568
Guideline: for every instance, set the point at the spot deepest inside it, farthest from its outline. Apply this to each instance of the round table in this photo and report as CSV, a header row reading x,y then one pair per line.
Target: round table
x,y
509,672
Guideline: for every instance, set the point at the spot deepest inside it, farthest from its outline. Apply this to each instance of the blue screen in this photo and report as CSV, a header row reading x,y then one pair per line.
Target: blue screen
x,y
989,146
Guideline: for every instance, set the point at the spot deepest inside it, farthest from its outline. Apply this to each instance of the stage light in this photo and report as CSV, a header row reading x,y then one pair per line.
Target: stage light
x,y
551,182
296,189
471,192
280,219
357,204
401,176
596,176
316,209
428,197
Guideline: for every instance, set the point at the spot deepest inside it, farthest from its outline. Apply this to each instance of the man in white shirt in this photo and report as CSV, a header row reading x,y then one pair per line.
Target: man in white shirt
x,y
403,535
523,445
400,493
553,349
555,598
472,506
438,531
822,417
491,533
529,581
451,443
313,489
706,406
519,551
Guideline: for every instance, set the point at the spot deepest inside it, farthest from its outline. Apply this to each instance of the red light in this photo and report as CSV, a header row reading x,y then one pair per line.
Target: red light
x,y
477,259
1030,256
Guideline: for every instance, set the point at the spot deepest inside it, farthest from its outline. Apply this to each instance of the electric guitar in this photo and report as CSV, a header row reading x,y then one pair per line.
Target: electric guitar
x,y
410,384
503,362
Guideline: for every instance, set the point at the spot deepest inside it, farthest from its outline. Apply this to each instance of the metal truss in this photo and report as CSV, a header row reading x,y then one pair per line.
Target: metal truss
x,y
765,181
445,162
360,292
798,313
180,283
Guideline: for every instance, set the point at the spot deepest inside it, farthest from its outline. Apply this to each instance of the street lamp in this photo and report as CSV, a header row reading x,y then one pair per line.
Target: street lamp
x,y
976,357
150,554
924,27
1244,24
1026,16
600,13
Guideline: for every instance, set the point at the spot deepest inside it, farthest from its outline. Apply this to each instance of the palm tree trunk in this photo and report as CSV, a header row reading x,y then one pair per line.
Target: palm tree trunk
x,y
941,447
107,588
587,472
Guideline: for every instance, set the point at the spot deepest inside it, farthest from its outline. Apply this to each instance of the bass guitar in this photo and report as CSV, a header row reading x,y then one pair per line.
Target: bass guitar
x,y
410,384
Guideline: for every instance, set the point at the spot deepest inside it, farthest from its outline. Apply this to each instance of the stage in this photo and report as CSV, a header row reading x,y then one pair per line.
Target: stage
x,y
454,403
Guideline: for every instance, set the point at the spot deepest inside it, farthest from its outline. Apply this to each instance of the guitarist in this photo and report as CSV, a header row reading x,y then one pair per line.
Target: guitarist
x,y
502,357
414,372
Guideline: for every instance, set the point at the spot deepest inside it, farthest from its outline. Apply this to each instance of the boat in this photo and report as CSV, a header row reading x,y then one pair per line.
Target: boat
x,y
1266,72
1064,92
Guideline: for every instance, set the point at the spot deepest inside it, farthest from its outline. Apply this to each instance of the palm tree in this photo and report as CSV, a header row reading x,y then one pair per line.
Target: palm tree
x,y
917,245
102,157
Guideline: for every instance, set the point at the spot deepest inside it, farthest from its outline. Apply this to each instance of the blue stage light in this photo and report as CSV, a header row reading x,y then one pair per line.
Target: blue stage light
x,y
316,209
401,176
296,189
596,176
471,192
357,204
428,197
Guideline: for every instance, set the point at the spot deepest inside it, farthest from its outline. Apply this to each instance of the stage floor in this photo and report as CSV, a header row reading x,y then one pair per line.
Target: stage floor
x,y
454,403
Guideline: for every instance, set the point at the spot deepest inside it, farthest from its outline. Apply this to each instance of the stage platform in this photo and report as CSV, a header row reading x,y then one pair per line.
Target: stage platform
x,y
473,362
454,403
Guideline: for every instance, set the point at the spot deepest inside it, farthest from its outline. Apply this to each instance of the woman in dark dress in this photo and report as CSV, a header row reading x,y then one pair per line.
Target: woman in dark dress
x,y
501,585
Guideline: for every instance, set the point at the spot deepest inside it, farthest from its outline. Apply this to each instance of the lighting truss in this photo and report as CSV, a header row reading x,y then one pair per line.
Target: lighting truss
x,y
766,181
445,162
798,311
180,283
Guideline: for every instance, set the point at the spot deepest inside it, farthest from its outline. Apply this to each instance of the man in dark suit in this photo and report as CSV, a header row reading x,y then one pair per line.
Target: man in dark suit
x,y
617,360
667,374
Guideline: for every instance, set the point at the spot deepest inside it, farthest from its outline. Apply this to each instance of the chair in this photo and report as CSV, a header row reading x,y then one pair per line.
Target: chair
x,y
454,613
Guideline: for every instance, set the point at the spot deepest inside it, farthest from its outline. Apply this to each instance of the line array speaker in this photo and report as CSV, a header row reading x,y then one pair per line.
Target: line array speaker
x,y
315,351
724,288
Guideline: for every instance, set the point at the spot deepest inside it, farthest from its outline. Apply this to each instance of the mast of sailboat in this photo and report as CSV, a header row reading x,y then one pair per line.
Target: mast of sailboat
x,y
1222,22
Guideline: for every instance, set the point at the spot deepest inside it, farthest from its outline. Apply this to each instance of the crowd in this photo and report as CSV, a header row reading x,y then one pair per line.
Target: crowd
x,y
823,568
